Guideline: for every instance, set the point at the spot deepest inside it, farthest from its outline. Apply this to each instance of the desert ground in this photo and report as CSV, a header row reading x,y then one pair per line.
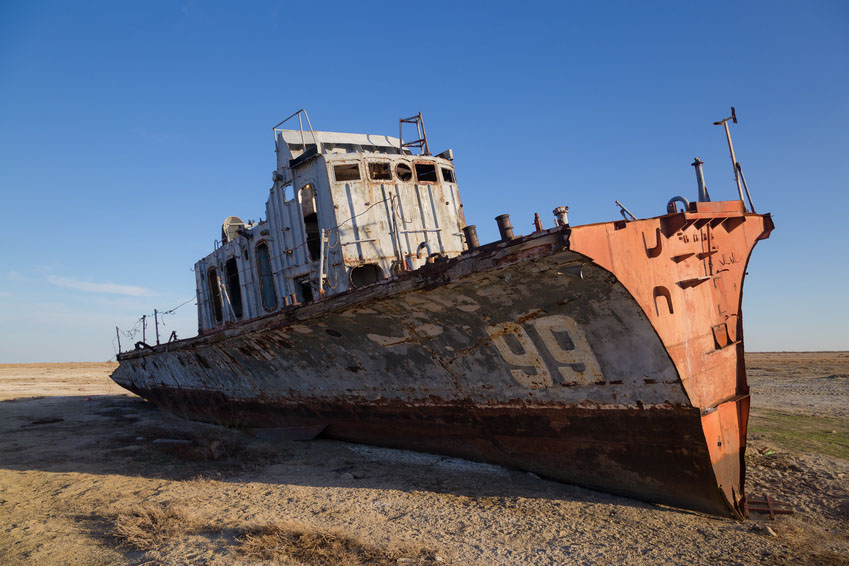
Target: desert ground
x,y
91,474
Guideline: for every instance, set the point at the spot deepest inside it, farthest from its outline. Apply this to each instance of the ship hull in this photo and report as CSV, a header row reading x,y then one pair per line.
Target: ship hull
x,y
656,455
530,353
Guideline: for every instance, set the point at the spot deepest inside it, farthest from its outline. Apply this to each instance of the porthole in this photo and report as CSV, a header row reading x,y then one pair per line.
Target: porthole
x,y
404,172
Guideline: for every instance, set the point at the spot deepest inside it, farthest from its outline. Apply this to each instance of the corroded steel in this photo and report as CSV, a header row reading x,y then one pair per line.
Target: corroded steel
x,y
608,355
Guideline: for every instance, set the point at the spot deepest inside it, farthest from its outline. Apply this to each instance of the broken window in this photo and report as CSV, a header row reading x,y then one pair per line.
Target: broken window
x,y
215,295
284,190
347,172
306,290
234,287
426,173
309,210
266,277
379,171
366,274
404,172
313,238
447,175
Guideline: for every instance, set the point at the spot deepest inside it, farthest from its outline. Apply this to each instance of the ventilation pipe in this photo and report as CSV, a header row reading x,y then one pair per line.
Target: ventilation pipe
x,y
504,227
471,234
700,179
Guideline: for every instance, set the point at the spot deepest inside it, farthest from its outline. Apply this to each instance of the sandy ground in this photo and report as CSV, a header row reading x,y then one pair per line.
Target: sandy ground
x,y
90,474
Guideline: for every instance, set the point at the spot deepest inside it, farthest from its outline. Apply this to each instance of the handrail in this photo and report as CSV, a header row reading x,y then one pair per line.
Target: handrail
x,y
274,129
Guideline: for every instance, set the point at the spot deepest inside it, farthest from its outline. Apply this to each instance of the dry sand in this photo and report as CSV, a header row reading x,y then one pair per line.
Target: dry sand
x,y
86,478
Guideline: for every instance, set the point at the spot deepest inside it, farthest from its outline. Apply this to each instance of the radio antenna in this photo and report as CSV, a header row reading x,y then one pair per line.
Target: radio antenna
x,y
734,165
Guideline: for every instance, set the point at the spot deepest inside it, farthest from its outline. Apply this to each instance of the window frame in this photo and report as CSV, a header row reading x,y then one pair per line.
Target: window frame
x,y
433,164
259,273
355,164
229,283
442,169
388,164
215,298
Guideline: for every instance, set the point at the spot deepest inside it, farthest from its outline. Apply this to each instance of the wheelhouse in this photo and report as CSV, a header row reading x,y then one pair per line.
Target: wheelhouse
x,y
344,211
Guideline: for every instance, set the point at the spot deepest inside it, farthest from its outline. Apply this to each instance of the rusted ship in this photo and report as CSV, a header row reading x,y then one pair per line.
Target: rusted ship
x,y
364,309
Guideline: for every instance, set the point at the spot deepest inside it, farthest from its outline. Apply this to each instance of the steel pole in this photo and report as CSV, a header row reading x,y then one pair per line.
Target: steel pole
x,y
156,323
733,161
321,265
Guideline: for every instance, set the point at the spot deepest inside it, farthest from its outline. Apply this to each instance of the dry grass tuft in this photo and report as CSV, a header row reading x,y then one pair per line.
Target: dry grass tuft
x,y
151,526
207,443
297,546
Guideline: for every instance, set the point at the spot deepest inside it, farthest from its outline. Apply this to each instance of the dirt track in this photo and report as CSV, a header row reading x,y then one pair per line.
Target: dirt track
x,y
92,475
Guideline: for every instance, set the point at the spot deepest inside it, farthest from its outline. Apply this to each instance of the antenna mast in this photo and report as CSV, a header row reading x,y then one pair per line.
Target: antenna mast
x,y
734,165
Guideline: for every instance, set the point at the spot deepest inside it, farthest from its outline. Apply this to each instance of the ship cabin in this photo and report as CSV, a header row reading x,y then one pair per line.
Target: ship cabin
x,y
345,211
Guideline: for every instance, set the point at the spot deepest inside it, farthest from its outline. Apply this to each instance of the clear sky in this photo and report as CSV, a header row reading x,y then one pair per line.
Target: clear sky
x,y
129,131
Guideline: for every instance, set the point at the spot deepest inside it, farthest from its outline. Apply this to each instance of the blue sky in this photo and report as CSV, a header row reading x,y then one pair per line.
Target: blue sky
x,y
128,132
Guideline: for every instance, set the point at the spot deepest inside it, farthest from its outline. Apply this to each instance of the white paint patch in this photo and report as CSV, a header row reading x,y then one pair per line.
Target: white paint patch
x,y
489,291
428,330
581,366
389,340
364,311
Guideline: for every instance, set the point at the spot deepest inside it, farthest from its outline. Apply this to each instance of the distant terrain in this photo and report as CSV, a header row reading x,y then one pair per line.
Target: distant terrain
x,y
91,474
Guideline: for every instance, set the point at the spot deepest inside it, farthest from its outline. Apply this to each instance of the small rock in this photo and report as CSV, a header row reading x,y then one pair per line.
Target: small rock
x,y
533,475
769,531
347,476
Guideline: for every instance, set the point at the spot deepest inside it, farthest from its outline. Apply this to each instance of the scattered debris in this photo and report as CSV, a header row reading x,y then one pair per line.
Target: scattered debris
x,y
767,506
769,531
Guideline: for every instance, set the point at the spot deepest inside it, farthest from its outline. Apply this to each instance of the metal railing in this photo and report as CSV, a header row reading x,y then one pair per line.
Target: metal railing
x,y
276,128
140,326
